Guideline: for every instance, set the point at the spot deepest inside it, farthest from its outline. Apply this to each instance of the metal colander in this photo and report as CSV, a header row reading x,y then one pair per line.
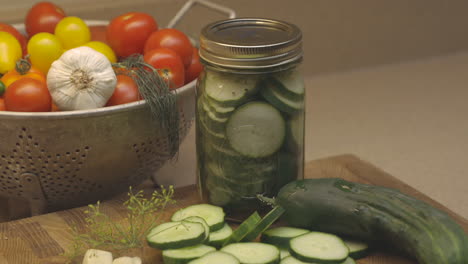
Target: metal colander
x,y
58,160
65,159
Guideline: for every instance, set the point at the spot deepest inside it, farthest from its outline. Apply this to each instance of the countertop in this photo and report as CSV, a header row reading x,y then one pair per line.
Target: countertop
x,y
409,119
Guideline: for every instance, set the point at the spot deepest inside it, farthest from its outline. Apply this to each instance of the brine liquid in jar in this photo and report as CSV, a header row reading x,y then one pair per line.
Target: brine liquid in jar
x,y
249,111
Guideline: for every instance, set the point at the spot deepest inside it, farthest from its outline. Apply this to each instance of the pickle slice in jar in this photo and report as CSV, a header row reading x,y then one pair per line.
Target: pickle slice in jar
x,y
289,84
256,129
295,132
218,109
281,102
230,90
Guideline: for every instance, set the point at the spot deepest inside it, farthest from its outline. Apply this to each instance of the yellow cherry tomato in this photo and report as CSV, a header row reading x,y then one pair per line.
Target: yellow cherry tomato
x,y
10,51
72,32
44,48
104,49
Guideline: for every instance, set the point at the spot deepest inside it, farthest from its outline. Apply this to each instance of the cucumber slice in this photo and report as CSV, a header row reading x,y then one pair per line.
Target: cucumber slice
x,y
216,257
217,238
197,219
213,215
318,247
349,261
215,123
281,102
284,253
295,131
357,249
220,110
186,254
253,252
266,222
244,228
182,234
289,83
229,90
256,129
292,260
280,236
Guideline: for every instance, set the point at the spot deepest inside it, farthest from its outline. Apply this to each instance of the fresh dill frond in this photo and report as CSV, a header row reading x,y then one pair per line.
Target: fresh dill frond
x,y
103,232
155,89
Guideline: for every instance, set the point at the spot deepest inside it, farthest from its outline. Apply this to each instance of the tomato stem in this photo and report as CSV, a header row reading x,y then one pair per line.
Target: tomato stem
x,y
23,66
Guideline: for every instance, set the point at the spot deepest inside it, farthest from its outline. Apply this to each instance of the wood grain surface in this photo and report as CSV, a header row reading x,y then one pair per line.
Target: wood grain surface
x,y
43,239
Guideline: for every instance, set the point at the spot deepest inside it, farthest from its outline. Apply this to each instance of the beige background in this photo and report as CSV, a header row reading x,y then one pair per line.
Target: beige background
x,y
387,81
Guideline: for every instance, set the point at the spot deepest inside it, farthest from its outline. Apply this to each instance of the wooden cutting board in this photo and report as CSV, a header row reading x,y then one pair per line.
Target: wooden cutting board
x,y
42,239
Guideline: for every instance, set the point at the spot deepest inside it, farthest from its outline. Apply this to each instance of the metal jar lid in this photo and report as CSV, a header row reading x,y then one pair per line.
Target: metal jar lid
x,y
245,43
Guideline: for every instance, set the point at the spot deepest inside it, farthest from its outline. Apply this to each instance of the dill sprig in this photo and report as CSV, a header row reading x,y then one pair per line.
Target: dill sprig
x,y
102,232
155,89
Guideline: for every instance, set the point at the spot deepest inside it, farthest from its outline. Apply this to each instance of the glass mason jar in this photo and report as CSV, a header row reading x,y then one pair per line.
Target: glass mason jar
x,y
249,111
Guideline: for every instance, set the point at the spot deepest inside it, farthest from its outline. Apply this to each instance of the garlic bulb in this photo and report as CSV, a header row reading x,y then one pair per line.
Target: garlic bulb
x,y
81,78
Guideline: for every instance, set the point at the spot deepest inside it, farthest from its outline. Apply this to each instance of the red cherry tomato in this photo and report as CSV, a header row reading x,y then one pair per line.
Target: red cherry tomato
x,y
43,17
28,95
98,33
127,33
170,65
22,39
126,91
2,104
172,39
195,67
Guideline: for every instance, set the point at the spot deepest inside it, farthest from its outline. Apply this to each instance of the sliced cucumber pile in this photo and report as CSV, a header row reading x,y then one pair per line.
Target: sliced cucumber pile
x,y
253,252
218,238
318,247
213,215
186,254
278,245
177,235
244,228
357,249
266,221
280,236
216,257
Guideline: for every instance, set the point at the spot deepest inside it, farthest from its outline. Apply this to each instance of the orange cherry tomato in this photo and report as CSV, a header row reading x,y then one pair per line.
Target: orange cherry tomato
x,y
126,91
25,70
2,104
28,95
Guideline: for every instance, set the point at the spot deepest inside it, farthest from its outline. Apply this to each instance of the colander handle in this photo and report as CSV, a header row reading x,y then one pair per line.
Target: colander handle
x,y
190,3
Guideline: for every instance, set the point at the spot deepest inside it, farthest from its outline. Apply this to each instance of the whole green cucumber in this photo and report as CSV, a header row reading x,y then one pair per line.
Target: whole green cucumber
x,y
375,214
